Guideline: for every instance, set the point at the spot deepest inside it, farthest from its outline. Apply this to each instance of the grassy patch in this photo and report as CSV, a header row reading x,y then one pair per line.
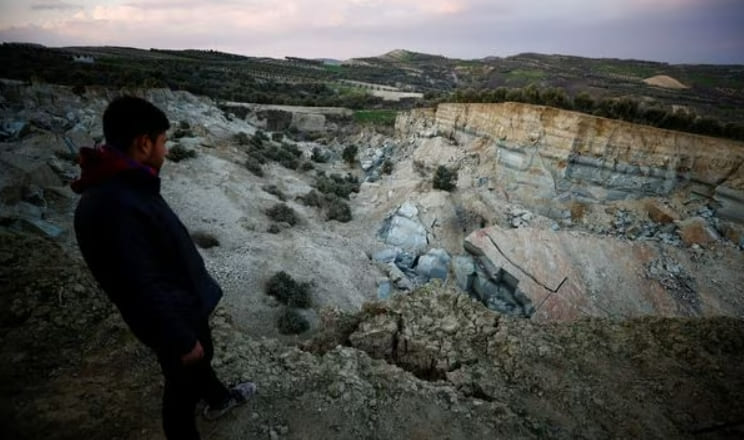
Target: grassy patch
x,y
525,76
335,68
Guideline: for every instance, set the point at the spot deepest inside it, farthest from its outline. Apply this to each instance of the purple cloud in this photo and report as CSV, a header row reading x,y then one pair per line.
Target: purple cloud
x,y
691,31
54,6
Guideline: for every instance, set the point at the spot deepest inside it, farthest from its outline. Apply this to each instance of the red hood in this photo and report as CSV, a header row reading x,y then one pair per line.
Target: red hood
x,y
100,164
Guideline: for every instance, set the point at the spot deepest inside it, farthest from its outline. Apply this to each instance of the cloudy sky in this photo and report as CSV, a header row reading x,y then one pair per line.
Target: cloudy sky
x,y
677,31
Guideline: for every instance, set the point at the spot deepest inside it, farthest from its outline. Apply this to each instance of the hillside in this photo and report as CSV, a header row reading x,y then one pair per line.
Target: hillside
x,y
710,91
580,278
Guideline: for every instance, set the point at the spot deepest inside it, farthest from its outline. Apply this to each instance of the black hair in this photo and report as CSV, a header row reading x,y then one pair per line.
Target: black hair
x,y
127,117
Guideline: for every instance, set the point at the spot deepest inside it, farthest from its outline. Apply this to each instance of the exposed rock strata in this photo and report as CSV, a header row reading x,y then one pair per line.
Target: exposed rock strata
x,y
544,153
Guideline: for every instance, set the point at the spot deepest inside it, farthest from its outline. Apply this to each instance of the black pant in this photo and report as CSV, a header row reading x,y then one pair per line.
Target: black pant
x,y
186,385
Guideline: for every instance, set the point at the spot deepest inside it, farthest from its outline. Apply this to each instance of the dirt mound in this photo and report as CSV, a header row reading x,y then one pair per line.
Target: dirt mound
x,y
665,81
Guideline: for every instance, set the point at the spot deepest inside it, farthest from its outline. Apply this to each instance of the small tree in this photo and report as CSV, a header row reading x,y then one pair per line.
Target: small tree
x,y
318,156
584,102
291,322
445,179
179,153
387,167
349,154
338,210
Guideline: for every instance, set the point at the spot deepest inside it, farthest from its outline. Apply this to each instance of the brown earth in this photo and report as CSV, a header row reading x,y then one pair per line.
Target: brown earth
x,y
665,81
431,364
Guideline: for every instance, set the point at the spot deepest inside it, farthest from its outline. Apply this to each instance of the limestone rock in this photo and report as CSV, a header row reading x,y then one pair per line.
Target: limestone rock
x,y
387,255
404,230
408,210
541,152
463,267
384,288
566,275
398,278
434,264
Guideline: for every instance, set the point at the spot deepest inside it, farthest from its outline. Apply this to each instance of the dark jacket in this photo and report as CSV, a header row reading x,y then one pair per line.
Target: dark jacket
x,y
140,252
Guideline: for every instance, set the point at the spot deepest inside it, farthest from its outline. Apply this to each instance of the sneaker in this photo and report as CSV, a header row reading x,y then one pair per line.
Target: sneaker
x,y
239,394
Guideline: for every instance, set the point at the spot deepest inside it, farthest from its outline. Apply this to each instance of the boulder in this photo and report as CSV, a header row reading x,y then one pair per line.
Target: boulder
x,y
408,210
28,170
434,264
696,230
13,130
660,213
387,255
405,260
398,278
463,266
405,233
384,288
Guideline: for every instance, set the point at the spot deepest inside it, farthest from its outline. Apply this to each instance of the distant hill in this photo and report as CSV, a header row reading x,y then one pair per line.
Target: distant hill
x,y
715,91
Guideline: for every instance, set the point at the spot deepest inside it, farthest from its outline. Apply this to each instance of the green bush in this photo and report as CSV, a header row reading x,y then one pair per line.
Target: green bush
x,y
260,135
318,156
277,137
274,229
306,166
445,179
313,198
335,184
349,154
338,210
288,291
78,89
254,166
241,138
183,130
282,213
179,153
584,102
274,190
387,167
291,322
286,155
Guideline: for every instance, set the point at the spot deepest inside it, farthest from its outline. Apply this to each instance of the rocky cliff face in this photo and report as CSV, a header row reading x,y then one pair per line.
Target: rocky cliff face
x,y
589,176
546,153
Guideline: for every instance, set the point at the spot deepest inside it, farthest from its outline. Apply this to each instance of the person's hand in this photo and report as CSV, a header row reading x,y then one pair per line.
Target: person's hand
x,y
195,355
